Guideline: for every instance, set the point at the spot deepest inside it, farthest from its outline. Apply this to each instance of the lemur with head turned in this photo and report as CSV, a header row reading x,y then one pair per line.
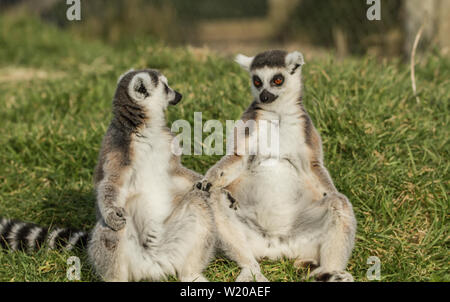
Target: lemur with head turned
x,y
288,204
152,223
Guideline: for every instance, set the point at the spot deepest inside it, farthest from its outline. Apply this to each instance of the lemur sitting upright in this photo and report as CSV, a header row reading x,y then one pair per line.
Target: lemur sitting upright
x,y
151,221
288,204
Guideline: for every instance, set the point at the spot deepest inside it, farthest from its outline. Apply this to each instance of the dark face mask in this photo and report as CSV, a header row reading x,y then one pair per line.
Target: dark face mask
x,y
267,97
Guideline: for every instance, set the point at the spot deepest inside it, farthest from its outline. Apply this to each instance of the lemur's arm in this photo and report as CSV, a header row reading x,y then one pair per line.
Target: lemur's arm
x,y
111,191
316,160
322,174
224,171
229,167
184,178
188,174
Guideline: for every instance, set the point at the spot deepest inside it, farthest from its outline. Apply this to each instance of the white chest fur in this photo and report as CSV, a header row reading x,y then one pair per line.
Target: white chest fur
x,y
150,181
278,187
289,137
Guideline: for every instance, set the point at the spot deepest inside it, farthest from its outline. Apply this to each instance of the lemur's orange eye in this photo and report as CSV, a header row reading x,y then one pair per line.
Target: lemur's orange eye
x,y
278,80
257,81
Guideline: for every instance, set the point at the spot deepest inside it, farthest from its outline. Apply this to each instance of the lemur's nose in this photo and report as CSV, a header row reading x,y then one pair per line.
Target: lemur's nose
x,y
267,97
177,99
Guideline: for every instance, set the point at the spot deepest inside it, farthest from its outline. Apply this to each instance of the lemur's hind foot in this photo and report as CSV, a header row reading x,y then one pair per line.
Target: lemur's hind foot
x,y
308,263
335,276
247,275
197,278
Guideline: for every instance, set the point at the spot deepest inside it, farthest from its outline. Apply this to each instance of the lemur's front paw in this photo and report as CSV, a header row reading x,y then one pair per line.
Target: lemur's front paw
x,y
213,178
115,218
204,185
233,202
148,240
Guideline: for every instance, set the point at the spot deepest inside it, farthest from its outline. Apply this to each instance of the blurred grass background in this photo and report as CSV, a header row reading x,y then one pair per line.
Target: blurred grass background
x,y
387,152
229,26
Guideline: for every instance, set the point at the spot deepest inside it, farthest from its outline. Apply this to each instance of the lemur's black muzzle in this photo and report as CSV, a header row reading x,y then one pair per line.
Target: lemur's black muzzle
x,y
267,97
177,98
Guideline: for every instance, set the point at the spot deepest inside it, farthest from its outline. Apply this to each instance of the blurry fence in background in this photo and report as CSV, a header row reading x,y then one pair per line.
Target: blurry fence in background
x,y
339,25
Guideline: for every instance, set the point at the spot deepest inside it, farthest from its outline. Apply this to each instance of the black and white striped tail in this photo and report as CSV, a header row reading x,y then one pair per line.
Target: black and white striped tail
x,y
17,235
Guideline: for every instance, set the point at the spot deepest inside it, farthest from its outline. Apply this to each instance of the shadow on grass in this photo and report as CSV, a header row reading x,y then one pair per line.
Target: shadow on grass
x,y
68,208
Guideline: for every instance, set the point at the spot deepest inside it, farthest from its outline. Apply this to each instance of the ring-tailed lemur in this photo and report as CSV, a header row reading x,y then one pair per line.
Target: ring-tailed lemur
x,y
151,222
288,204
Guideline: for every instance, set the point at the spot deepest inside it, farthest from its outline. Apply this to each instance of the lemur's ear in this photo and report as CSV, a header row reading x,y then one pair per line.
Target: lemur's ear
x,y
139,87
124,74
294,60
244,61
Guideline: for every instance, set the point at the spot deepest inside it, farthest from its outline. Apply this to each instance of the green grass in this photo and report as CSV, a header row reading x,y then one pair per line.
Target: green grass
x,y
386,152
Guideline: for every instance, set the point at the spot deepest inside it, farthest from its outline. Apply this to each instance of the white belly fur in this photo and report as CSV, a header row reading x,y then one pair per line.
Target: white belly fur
x,y
273,194
149,204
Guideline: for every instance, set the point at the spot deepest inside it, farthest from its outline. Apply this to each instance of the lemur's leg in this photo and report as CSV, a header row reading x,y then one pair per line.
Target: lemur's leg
x,y
183,177
338,241
333,224
105,252
201,250
189,237
232,238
